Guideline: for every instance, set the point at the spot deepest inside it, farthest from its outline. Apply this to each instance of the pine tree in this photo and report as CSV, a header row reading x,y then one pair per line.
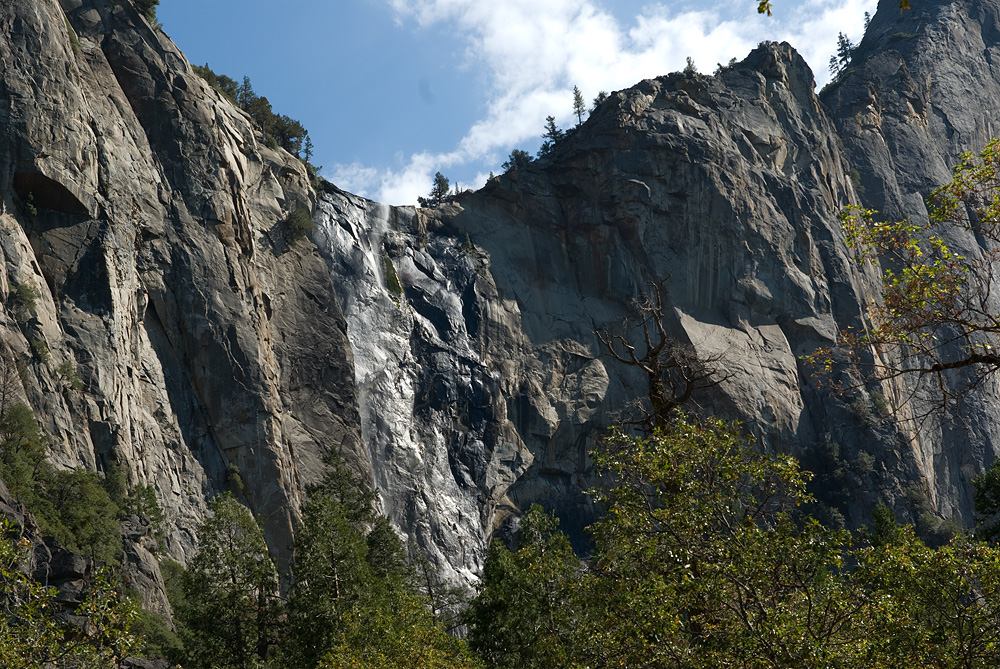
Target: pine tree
x,y
840,60
232,610
601,97
553,135
579,106
518,159
439,192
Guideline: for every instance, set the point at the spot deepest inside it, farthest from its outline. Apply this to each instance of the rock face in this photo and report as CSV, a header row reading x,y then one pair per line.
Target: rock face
x,y
923,88
474,325
452,353
147,214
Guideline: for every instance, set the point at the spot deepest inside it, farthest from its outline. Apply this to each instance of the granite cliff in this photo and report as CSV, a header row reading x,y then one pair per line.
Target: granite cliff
x,y
451,353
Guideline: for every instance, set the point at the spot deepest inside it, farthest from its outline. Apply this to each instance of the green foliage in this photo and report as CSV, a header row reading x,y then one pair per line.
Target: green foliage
x,y
155,637
141,501
225,85
931,318
234,479
689,67
73,40
929,607
931,529
879,403
40,348
598,100
67,370
553,135
699,561
25,299
279,130
986,497
148,9
579,106
29,206
518,160
32,634
22,454
392,282
231,606
300,225
80,515
525,613
885,531
840,60
467,246
353,602
71,506
440,192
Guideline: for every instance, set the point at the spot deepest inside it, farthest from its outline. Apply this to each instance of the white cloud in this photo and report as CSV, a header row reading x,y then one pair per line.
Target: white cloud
x,y
536,51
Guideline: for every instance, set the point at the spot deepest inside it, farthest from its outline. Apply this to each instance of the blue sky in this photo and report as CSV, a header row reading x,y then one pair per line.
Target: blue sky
x,y
394,90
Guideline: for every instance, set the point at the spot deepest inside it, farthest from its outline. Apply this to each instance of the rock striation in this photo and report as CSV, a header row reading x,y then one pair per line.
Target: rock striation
x,y
146,213
452,354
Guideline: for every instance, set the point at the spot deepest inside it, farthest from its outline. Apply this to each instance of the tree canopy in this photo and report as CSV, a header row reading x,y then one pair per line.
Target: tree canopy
x,y
440,192
935,315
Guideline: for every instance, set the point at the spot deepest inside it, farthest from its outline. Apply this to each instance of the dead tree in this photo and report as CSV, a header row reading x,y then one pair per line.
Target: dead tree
x,y
674,370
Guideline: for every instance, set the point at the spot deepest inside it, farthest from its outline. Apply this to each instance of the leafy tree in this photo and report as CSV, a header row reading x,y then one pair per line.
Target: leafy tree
x,y
929,607
34,634
518,159
440,192
700,560
840,60
689,67
553,135
231,610
598,100
932,317
579,106
525,613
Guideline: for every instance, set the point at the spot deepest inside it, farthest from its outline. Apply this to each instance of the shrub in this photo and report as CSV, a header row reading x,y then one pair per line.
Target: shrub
x,y
392,282
29,205
25,298
148,9
67,371
300,224
73,41
40,348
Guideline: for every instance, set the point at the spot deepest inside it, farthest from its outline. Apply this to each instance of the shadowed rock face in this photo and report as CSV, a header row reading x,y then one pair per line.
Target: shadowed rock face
x,y
451,354
486,364
923,88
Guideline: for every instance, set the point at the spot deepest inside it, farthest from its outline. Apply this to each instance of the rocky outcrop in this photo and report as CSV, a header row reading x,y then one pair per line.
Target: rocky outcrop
x,y
147,214
923,88
482,382
452,353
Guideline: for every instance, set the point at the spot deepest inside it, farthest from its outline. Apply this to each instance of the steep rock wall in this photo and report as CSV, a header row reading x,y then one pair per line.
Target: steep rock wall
x,y
922,88
147,213
451,353
485,355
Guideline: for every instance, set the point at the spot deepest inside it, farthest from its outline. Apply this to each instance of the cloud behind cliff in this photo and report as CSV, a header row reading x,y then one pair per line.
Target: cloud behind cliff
x,y
532,54
394,90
